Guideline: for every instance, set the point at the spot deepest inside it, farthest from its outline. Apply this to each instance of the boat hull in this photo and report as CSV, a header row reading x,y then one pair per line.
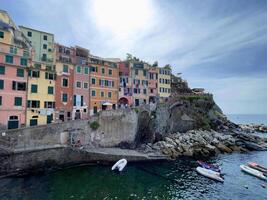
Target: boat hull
x,y
253,172
210,174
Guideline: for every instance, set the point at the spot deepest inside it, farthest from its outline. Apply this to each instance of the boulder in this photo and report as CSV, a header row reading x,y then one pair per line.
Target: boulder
x,y
223,148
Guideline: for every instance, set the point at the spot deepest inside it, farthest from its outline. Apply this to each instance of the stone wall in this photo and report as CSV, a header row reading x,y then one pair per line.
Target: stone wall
x,y
115,126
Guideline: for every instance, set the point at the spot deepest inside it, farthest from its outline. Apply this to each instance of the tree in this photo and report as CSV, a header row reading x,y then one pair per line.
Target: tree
x,y
168,66
155,64
129,56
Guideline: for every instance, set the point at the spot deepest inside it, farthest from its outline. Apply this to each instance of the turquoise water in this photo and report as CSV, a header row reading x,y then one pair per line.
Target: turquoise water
x,y
248,119
140,181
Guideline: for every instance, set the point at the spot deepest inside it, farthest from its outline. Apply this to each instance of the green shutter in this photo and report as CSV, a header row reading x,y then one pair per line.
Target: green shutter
x,y
65,68
2,84
9,59
1,34
18,101
28,103
86,70
23,61
34,88
50,90
0,100
2,69
20,72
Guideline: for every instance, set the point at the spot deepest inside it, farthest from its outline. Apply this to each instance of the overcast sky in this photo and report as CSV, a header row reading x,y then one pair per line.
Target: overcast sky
x,y
220,45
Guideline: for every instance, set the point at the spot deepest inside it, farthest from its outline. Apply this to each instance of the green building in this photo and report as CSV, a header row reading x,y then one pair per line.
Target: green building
x,y
42,42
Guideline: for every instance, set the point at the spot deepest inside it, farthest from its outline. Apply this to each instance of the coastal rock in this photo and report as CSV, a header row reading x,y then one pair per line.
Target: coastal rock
x,y
223,148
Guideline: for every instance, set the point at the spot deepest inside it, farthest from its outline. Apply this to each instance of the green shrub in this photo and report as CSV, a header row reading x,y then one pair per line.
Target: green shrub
x,y
94,125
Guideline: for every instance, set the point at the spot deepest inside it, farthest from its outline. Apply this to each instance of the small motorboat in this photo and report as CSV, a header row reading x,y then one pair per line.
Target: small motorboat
x,y
258,167
210,174
205,165
119,165
253,172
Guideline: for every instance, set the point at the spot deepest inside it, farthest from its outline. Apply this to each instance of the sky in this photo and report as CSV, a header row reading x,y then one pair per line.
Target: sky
x,y
219,45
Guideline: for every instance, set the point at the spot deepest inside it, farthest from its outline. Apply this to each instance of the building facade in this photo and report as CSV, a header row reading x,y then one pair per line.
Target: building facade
x,y
139,76
104,84
153,84
164,82
41,80
81,84
15,57
65,63
126,85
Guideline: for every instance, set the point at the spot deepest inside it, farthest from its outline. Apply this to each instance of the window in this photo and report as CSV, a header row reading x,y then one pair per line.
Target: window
x,y
74,100
37,66
109,94
23,61
20,72
49,104
103,70
13,50
2,34
93,69
18,101
144,91
50,90
144,72
66,68
0,100
93,80
44,57
110,71
29,34
50,76
20,86
64,97
44,46
78,84
102,94
93,93
85,85
34,88
86,70
2,84
65,82
34,74
45,37
9,59
78,69
33,104
26,53
136,72
2,69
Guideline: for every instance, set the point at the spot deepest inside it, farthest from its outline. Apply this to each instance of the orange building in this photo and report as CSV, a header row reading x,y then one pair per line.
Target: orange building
x,y
104,84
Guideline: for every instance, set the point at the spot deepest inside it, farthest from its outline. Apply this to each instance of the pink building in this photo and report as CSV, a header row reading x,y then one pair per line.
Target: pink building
x,y
125,87
13,84
81,85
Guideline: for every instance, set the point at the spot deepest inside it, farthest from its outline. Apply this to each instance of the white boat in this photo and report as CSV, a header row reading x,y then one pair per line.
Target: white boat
x,y
253,172
210,174
119,165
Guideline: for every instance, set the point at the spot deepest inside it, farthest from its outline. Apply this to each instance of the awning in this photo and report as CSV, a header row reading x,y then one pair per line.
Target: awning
x,y
107,104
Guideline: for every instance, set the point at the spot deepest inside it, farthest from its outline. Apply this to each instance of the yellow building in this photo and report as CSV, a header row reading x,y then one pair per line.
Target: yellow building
x,y
164,82
41,94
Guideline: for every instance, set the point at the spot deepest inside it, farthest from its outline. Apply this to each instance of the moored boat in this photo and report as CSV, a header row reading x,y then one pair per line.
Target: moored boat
x,y
253,172
210,174
212,167
257,167
119,165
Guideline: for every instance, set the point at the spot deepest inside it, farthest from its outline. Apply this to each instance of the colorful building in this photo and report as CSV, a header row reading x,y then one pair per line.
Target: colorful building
x,y
164,82
104,84
81,84
126,85
41,80
65,63
15,57
153,84
139,75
